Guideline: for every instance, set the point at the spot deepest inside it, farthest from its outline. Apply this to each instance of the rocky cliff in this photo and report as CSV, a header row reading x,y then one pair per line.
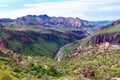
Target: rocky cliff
x,y
106,37
45,20
109,33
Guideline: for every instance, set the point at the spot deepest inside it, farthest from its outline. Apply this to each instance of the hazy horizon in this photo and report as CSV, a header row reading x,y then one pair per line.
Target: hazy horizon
x,y
91,10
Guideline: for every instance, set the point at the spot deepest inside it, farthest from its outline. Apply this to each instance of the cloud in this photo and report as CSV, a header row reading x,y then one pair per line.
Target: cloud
x,y
85,9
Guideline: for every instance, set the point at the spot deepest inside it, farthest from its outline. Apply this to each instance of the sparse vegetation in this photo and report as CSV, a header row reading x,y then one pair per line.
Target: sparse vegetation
x,y
37,50
105,65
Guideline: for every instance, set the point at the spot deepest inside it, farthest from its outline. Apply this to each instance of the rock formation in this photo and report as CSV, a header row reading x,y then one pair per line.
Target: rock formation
x,y
106,37
89,49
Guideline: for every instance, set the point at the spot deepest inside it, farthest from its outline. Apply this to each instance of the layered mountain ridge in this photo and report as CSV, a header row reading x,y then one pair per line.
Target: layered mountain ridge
x,y
28,45
45,20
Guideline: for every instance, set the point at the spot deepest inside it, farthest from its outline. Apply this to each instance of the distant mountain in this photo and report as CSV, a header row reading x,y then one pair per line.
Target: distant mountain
x,y
57,21
6,20
45,20
53,21
112,24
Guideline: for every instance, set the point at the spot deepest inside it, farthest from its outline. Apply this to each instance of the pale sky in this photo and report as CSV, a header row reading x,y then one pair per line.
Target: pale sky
x,y
93,10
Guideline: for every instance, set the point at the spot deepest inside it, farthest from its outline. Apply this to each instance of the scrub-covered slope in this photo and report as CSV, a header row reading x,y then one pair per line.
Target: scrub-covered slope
x,y
109,33
37,41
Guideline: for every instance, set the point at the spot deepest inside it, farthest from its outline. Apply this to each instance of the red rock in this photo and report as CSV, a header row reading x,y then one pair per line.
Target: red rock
x,y
88,72
3,43
106,37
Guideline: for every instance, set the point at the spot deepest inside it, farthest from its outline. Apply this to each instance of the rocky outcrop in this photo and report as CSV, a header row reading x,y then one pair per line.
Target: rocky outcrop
x,y
12,35
88,49
48,36
3,43
114,47
10,54
106,37
115,79
88,72
22,37
111,37
103,46
81,50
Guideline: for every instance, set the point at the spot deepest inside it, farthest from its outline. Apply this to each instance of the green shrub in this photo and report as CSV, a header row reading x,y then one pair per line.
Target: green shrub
x,y
17,70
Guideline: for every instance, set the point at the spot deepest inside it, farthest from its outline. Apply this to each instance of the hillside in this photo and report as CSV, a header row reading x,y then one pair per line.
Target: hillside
x,y
94,66
95,57
28,49
106,34
44,35
14,66
37,41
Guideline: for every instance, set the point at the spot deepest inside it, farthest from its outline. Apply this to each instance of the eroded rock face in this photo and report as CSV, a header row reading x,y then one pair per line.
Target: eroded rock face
x,y
19,36
88,72
88,49
48,36
53,21
106,37
103,46
76,71
81,50
10,54
114,47
115,79
3,43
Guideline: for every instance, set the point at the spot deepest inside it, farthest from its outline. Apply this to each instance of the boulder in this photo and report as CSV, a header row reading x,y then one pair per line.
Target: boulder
x,y
88,72
114,47
103,46
30,58
115,79
3,43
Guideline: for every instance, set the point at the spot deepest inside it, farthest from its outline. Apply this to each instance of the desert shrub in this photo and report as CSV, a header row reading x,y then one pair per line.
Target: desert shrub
x,y
17,70
6,78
